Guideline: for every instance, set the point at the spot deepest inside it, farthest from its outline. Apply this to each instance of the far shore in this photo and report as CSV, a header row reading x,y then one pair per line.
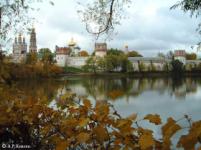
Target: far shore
x,y
134,74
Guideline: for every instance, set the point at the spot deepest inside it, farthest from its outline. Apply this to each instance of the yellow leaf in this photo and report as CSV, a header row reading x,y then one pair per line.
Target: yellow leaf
x,y
87,103
101,110
132,117
83,137
189,141
83,122
101,133
153,119
146,140
168,130
62,145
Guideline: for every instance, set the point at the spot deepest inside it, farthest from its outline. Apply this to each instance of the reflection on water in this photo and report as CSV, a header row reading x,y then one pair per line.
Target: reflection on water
x,y
113,89
165,96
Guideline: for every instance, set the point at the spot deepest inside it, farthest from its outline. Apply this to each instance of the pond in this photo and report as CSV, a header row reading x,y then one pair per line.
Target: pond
x,y
167,97
164,96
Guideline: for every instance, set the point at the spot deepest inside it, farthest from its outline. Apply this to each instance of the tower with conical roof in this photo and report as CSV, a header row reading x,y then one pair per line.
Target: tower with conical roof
x,y
33,46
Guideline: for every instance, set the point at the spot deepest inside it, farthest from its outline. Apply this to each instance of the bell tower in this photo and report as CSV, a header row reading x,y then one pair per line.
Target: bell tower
x,y
33,46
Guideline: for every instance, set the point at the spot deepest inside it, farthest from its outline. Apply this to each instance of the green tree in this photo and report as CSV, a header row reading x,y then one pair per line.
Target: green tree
x,y
91,65
31,58
46,56
113,51
141,66
134,54
192,6
177,67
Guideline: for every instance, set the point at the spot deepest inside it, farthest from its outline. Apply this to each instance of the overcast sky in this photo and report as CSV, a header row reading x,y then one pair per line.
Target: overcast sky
x,y
150,27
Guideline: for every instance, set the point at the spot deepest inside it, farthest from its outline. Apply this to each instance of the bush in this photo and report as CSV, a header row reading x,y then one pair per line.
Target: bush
x,y
177,67
68,69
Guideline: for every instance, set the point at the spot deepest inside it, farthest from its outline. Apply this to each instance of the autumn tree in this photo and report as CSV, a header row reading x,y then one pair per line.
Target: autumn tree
x,y
83,53
31,58
191,56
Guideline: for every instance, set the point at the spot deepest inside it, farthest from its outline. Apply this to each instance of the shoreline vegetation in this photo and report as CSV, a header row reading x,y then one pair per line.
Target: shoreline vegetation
x,y
40,71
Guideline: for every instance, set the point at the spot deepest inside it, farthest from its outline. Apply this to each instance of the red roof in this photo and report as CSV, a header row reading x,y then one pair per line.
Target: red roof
x,y
180,53
62,50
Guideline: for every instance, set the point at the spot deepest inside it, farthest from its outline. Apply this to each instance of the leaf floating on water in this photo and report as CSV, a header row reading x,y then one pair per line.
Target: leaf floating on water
x,y
153,119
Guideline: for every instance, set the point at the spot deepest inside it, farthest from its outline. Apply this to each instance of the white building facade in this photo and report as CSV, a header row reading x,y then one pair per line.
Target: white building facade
x,y
19,49
100,49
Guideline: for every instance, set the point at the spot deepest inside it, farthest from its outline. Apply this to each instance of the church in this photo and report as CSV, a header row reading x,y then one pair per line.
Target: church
x,y
20,47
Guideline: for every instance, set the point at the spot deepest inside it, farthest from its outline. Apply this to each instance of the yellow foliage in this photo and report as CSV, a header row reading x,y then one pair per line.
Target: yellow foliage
x,y
62,145
83,122
189,141
153,119
83,137
168,130
87,103
146,140
132,117
83,125
101,133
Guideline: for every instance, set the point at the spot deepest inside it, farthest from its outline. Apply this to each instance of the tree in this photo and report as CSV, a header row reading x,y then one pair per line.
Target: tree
x,y
191,56
15,16
177,67
161,55
46,56
91,65
101,16
113,51
192,6
170,55
134,54
83,53
31,58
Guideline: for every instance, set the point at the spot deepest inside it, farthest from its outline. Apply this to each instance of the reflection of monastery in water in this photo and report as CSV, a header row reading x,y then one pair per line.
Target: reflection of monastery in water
x,y
114,89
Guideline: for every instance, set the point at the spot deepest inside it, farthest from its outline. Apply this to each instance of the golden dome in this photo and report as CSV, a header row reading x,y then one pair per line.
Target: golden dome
x,y
72,42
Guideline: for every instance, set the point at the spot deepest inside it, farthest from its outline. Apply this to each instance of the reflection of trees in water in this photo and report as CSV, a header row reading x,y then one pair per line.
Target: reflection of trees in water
x,y
183,86
105,88
35,90
110,88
